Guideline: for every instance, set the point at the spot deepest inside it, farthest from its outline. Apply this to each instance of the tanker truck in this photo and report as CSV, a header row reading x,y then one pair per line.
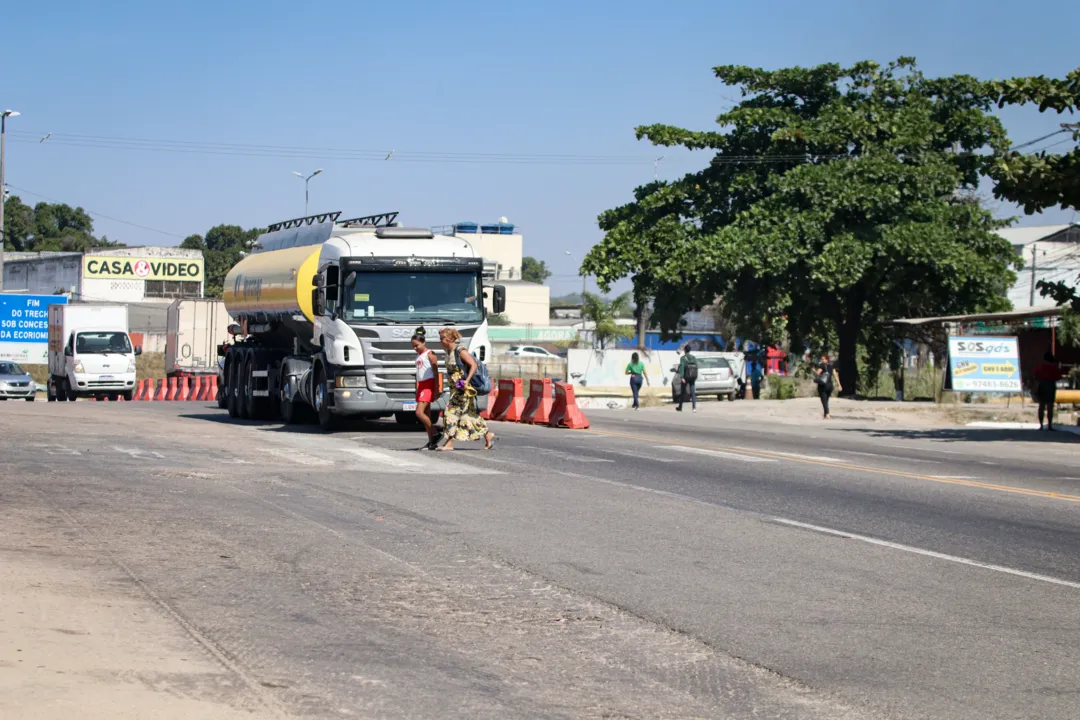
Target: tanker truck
x,y
324,310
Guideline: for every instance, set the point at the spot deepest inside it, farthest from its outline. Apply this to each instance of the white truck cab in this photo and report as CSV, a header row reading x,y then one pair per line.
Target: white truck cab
x,y
90,352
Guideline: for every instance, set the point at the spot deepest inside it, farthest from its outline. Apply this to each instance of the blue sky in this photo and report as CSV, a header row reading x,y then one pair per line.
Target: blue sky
x,y
566,78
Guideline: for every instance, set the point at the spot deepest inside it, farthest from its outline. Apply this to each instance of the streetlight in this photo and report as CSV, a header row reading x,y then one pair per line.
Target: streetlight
x,y
584,279
3,187
306,181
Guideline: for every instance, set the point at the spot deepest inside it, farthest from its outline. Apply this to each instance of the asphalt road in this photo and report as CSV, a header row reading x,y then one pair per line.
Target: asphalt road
x,y
655,566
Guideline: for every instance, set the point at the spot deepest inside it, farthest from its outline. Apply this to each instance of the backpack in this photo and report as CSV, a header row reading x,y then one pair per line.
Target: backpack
x,y
691,369
481,380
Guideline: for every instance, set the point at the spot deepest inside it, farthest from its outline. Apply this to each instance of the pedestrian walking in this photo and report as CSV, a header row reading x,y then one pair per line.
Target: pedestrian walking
x,y
461,419
636,370
824,375
1047,373
427,386
687,374
756,376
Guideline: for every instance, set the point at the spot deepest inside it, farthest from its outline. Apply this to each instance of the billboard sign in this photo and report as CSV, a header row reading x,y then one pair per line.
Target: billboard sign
x,y
115,267
984,364
24,327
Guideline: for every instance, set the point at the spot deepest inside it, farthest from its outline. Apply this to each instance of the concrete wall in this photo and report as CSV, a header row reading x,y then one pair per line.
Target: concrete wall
x,y
42,273
607,368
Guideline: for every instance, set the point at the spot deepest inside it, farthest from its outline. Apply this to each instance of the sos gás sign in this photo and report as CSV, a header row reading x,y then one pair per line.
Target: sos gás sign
x,y
984,364
136,268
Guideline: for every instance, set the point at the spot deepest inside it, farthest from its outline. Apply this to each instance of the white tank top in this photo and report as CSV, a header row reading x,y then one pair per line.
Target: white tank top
x,y
424,371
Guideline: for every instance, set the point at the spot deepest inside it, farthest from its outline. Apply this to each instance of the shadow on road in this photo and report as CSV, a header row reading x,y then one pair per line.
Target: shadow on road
x,y
966,434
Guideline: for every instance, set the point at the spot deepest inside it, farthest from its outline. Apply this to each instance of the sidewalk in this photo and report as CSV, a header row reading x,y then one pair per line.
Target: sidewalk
x,y
78,639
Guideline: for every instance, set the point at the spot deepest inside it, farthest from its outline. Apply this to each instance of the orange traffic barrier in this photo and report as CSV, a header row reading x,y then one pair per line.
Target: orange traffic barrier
x,y
538,406
163,390
183,392
145,391
565,412
492,397
209,391
196,388
139,385
510,402
171,395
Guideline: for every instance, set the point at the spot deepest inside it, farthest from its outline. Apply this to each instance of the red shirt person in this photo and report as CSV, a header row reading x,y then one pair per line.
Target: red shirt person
x,y
1046,374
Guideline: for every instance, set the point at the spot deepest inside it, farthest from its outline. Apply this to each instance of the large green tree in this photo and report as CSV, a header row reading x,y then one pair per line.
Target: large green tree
x,y
49,226
222,247
835,201
1039,180
534,270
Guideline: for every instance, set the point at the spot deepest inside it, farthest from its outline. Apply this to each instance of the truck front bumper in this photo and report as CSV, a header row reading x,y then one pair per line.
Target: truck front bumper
x,y
348,401
92,384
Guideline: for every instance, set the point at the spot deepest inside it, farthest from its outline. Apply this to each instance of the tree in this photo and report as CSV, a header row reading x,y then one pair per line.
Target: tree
x,y
1039,180
534,270
49,226
193,242
223,246
605,315
832,205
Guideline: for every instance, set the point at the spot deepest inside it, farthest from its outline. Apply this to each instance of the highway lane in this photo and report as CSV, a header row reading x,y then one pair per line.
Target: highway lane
x,y
667,522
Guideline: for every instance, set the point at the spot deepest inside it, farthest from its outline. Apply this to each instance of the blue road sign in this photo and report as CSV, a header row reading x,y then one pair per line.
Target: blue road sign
x,y
24,327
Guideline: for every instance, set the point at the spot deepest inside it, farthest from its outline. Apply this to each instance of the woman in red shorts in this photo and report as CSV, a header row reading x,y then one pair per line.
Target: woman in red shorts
x,y
427,386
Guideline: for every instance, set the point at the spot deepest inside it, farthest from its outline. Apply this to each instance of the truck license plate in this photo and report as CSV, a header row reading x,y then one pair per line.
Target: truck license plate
x,y
408,406
106,377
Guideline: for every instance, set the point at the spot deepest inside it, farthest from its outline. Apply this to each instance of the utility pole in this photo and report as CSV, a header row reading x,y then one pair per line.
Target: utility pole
x,y
656,167
1031,302
4,115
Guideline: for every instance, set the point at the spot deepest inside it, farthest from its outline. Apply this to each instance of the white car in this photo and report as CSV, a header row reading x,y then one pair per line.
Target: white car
x,y
531,351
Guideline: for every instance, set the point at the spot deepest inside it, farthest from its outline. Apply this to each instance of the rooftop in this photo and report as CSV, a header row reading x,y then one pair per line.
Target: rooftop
x,y
1032,233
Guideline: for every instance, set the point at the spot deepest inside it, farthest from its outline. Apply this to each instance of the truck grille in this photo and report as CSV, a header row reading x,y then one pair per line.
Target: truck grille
x,y
391,364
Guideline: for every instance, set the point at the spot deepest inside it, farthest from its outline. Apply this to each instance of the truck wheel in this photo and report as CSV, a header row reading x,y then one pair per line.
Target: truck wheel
x,y
31,399
50,390
128,395
232,383
291,411
65,393
328,421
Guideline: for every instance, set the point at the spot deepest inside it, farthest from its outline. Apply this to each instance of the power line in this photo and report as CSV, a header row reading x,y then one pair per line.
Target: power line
x,y
95,214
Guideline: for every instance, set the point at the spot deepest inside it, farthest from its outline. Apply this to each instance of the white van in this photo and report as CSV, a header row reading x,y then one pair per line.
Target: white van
x,y
90,352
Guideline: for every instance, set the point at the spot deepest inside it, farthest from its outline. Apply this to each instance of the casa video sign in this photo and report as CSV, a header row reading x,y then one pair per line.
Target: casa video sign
x,y
112,267
984,364
24,327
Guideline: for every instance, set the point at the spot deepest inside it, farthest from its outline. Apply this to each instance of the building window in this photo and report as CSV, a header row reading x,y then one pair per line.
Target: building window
x,y
171,289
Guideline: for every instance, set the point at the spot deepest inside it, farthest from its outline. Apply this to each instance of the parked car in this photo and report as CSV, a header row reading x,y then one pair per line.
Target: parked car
x,y
15,383
715,377
531,351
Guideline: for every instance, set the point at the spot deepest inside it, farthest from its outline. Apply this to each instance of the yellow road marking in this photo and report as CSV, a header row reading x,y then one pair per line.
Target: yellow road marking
x,y
849,466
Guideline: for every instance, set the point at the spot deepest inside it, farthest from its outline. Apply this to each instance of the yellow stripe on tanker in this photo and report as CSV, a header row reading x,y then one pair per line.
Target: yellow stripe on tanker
x,y
276,283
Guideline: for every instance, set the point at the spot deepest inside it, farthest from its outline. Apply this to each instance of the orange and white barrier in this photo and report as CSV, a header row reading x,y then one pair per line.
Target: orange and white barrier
x,y
182,389
510,402
538,407
565,411
210,389
492,397
162,390
171,394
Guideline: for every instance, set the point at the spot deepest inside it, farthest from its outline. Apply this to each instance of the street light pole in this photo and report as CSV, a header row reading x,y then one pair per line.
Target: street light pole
x,y
4,115
306,181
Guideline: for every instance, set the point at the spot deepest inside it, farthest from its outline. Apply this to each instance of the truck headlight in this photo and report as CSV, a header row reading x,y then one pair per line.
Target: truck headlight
x,y
350,381
131,366
79,367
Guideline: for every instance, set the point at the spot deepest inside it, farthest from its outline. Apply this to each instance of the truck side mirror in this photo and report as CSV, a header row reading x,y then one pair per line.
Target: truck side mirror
x,y
138,350
317,307
498,303
68,352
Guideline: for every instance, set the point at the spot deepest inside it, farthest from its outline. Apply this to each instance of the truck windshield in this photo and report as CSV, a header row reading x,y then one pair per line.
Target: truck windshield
x,y
413,297
91,343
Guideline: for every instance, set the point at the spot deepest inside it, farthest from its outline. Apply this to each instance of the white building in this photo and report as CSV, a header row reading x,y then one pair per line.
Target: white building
x,y
1051,253
146,279
502,248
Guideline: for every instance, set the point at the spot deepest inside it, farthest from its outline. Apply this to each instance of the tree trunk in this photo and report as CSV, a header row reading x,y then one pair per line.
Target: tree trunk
x,y
639,313
848,332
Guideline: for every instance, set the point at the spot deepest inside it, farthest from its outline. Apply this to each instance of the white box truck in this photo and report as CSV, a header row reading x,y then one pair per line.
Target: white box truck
x,y
90,352
195,328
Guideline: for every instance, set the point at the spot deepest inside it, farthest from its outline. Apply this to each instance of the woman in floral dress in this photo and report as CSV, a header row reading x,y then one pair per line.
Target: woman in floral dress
x,y
461,419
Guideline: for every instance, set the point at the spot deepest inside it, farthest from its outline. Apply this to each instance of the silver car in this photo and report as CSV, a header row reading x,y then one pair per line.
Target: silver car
x,y
15,383
715,377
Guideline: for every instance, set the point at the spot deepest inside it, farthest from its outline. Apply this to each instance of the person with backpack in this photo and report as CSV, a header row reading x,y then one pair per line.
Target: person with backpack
x,y
467,377
824,375
687,374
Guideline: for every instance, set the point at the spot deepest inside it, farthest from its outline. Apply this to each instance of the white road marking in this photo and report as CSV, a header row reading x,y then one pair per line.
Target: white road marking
x,y
830,531
391,459
928,553
566,455
796,455
639,456
138,453
956,477
892,457
58,450
718,453
298,457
